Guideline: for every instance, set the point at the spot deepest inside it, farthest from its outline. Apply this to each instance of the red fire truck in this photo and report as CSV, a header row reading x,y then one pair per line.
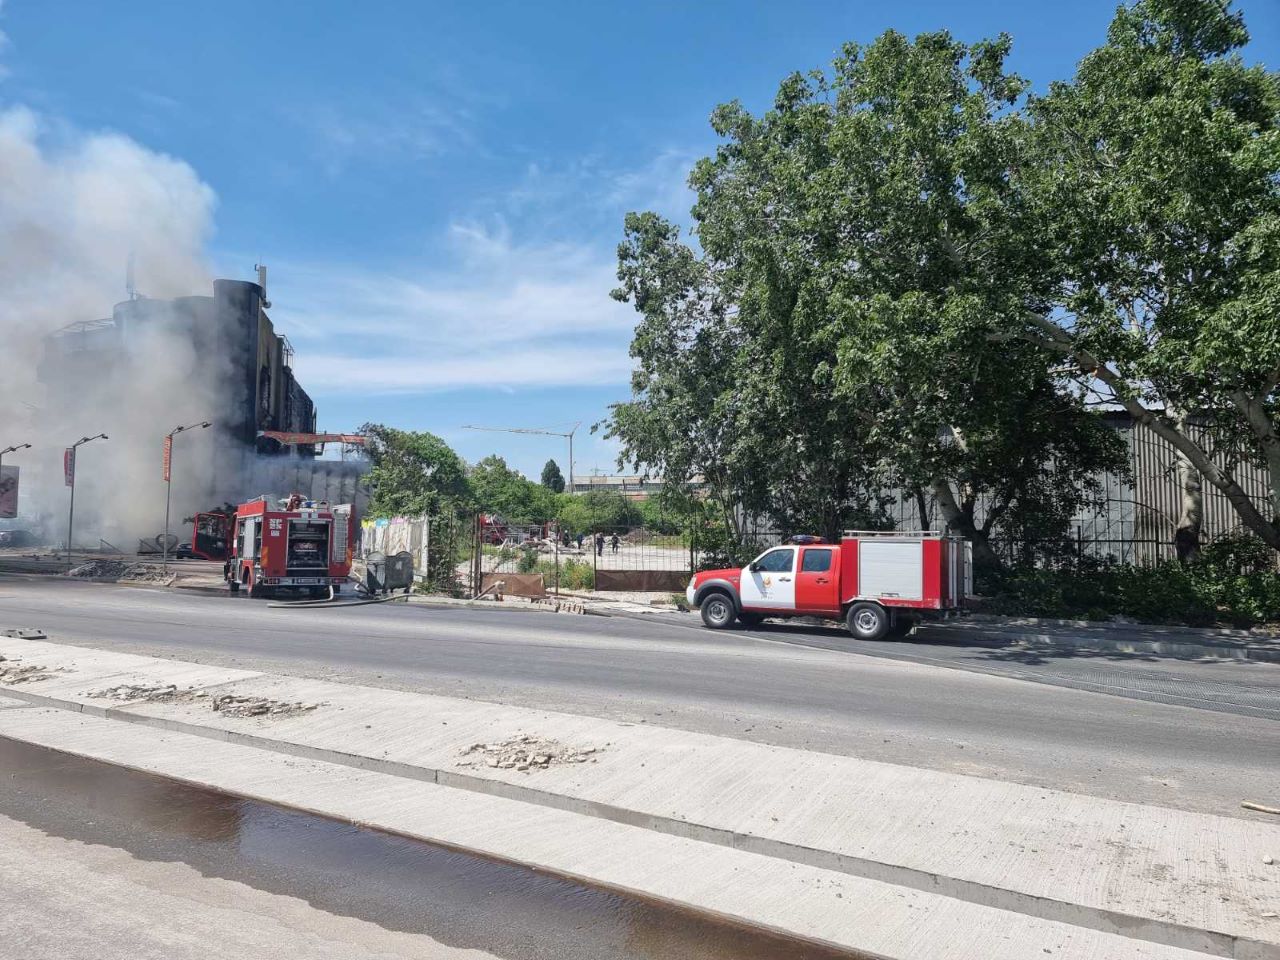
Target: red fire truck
x,y
293,544
878,583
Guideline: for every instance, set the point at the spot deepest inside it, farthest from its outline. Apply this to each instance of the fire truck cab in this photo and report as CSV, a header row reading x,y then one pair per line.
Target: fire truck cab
x,y
879,583
297,544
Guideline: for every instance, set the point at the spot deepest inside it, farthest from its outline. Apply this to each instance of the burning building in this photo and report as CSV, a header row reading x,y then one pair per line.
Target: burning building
x,y
154,365
236,358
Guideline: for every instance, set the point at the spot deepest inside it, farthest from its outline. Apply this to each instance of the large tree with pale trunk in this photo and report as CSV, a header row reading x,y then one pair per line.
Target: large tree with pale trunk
x,y
1155,186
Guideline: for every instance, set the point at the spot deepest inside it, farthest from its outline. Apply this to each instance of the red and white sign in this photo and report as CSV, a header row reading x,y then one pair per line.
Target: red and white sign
x,y
69,465
8,492
168,456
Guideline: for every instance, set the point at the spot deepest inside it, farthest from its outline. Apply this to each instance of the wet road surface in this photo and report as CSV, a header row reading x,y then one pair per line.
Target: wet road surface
x,y
404,885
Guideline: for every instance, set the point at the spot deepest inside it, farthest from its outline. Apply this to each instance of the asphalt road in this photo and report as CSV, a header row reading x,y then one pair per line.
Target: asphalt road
x,y
1036,719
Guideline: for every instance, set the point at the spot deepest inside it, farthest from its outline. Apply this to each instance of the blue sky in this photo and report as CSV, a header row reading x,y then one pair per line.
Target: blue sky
x,y
438,189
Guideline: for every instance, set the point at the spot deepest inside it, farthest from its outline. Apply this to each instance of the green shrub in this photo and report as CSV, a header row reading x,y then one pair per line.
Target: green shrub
x,y
528,559
1233,581
574,574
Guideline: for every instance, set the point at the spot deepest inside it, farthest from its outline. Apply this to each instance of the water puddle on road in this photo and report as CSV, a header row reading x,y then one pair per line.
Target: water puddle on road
x,y
404,885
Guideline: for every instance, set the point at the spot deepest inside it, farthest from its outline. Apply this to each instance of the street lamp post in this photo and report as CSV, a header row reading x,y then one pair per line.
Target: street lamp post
x,y
71,511
168,483
13,449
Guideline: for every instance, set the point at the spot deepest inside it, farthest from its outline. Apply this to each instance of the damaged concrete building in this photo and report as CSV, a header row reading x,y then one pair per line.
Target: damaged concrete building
x,y
159,363
249,366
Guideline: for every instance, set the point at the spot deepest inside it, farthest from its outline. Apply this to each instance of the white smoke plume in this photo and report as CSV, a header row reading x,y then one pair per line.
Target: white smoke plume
x,y
75,209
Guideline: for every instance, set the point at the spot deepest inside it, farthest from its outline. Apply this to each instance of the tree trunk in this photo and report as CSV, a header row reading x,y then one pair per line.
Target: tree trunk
x,y
962,523
1186,536
1268,531
922,507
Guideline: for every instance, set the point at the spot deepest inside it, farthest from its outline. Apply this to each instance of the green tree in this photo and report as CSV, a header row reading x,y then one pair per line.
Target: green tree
x,y
413,473
597,510
862,239
552,478
1157,181
682,418
499,489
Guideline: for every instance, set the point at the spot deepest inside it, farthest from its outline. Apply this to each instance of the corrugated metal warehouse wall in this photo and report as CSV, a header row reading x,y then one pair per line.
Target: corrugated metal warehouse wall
x,y
1137,521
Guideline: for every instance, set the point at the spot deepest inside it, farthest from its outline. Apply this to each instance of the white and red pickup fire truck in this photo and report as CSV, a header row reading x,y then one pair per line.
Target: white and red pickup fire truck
x,y
879,583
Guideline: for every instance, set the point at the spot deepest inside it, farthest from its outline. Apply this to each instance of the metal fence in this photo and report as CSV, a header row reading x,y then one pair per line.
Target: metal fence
x,y
443,547
606,558
1128,521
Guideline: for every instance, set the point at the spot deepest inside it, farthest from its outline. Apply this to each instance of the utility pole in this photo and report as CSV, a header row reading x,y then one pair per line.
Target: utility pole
x,y
13,449
168,483
69,469
545,433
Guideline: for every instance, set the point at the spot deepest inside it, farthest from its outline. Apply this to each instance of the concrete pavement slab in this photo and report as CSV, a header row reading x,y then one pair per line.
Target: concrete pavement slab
x,y
868,917
1163,875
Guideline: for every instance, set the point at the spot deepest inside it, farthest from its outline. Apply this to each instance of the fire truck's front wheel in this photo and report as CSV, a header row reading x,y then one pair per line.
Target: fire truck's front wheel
x,y
868,621
717,611
256,590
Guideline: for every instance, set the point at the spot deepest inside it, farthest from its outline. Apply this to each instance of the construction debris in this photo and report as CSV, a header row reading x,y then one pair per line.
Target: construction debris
x,y
119,570
524,753
12,672
227,704
230,705
135,692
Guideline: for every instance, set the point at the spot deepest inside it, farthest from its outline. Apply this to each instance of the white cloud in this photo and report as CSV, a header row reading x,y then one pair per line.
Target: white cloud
x,y
452,369
588,191
349,134
501,314
662,185
511,306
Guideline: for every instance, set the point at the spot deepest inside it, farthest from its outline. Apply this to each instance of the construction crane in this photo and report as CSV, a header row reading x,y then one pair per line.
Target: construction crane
x,y
545,433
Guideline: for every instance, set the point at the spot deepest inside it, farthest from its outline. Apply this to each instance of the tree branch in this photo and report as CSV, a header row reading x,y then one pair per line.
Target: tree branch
x,y
1060,341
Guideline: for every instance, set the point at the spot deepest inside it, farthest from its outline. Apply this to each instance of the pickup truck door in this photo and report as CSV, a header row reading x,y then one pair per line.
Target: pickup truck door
x,y
769,581
818,580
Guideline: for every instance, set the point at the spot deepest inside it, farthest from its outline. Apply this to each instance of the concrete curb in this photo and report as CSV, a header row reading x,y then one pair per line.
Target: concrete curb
x,y
805,906
1224,649
1096,918
442,603
1199,634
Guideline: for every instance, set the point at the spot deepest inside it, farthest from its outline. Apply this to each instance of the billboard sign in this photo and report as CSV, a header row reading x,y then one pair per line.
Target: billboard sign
x,y
69,465
168,455
8,492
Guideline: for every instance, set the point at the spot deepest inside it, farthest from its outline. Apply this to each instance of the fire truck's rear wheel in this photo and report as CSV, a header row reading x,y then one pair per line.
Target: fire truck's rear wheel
x,y
868,621
717,611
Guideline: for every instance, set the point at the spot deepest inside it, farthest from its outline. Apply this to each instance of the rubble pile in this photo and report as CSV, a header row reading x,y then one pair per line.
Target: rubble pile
x,y
99,570
230,705
134,692
119,570
524,753
13,672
